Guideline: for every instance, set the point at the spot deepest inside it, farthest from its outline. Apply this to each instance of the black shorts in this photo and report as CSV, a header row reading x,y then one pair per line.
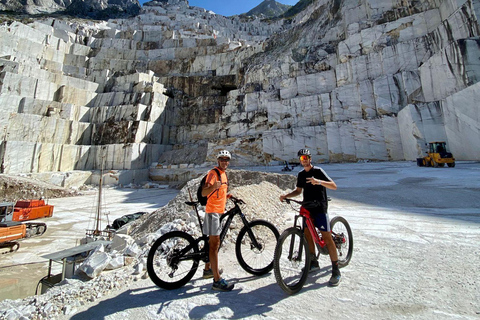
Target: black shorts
x,y
321,221
320,218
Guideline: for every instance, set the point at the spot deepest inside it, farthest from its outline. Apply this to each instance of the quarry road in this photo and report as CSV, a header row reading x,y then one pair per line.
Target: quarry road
x,y
21,271
416,256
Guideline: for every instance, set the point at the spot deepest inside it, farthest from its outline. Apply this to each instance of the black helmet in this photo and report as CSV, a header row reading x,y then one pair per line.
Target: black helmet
x,y
304,152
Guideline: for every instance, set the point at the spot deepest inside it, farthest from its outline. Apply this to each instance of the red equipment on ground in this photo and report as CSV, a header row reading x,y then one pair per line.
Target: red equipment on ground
x,y
31,209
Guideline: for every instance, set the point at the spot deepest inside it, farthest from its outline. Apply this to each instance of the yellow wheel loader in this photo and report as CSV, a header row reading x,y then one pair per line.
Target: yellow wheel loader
x,y
437,156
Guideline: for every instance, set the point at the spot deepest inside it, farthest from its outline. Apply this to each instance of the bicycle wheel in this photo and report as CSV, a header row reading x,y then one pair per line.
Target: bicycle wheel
x,y
170,262
292,260
255,260
343,238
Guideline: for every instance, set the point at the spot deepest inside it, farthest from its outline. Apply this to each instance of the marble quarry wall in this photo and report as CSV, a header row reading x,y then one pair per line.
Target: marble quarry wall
x,y
351,80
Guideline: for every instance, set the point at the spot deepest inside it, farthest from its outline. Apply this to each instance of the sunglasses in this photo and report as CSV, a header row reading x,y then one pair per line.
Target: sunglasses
x,y
303,158
224,159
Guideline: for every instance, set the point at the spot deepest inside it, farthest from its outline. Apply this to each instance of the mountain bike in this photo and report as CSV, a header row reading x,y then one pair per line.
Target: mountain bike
x,y
174,257
292,253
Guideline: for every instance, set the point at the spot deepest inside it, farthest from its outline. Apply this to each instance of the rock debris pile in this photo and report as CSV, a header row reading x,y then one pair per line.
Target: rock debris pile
x,y
249,186
13,188
124,261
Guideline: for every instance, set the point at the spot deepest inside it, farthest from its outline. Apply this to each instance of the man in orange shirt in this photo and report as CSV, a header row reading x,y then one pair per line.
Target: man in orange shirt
x,y
217,192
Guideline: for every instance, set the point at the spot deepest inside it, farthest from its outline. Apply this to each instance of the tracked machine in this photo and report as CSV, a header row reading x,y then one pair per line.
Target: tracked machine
x,y
12,231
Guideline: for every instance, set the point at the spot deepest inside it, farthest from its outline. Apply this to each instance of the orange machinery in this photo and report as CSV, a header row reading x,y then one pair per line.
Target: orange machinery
x,y
31,209
11,231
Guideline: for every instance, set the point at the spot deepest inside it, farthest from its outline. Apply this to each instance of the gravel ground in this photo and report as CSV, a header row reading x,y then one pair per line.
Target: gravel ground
x,y
416,255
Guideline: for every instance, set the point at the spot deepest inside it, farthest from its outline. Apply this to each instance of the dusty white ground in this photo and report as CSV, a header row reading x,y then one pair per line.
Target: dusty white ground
x,y
417,251
21,271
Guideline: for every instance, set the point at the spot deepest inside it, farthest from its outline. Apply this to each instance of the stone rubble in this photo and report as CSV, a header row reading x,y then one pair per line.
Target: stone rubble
x,y
47,186
13,188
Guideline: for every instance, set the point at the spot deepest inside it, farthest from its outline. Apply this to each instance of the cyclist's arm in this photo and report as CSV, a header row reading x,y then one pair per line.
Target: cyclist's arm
x,y
209,187
294,193
325,183
329,184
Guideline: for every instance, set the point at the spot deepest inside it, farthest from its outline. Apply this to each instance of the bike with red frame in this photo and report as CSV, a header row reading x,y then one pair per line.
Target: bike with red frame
x,y
291,262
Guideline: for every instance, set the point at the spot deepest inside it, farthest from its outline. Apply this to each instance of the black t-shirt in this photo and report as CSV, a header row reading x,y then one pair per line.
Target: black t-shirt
x,y
314,192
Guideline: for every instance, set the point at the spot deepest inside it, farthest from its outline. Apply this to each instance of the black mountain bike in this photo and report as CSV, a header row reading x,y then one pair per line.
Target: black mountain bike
x,y
173,258
292,254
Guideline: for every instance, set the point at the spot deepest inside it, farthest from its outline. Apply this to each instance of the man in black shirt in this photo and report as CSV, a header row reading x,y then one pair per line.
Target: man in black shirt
x,y
314,182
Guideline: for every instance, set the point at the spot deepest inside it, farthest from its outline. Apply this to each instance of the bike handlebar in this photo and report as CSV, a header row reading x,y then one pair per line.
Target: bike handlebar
x,y
235,201
302,203
287,200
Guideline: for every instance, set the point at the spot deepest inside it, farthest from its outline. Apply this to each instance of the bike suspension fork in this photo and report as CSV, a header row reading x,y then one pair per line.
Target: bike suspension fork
x,y
255,243
293,245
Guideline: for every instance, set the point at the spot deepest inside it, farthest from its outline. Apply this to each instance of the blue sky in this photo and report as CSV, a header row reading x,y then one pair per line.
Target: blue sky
x,y
230,7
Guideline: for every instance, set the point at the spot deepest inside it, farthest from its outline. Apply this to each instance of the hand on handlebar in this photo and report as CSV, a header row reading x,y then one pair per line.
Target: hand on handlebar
x,y
284,199
289,200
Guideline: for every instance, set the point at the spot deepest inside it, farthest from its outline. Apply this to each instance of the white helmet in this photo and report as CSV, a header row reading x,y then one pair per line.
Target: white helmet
x,y
224,154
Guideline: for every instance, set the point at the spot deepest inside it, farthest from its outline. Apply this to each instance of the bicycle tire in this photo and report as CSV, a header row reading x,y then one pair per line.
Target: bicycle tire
x,y
343,239
166,268
292,260
251,259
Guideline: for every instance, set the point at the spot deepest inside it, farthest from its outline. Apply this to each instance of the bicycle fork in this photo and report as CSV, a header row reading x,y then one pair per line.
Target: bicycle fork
x,y
254,243
293,245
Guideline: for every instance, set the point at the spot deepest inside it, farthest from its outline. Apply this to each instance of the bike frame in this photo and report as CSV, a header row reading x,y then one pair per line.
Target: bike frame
x,y
229,215
307,220
293,254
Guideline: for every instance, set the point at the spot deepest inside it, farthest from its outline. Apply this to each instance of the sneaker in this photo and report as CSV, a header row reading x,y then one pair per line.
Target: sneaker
x,y
222,285
334,280
207,274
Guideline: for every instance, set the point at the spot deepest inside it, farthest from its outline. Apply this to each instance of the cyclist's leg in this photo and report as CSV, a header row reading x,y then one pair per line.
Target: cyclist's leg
x,y
322,223
310,242
212,228
214,243
311,245
332,249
